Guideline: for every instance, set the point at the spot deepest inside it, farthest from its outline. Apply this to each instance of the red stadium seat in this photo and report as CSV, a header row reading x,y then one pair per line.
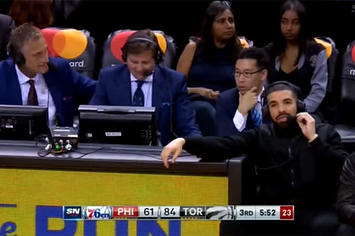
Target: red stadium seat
x,y
75,46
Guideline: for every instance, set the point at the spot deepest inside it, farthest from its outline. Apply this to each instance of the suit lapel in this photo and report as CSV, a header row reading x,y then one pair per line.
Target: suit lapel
x,y
54,88
14,97
160,88
122,88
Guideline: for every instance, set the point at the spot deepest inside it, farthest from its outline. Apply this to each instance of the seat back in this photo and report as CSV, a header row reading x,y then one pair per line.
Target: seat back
x,y
112,54
329,105
332,57
75,46
348,74
348,85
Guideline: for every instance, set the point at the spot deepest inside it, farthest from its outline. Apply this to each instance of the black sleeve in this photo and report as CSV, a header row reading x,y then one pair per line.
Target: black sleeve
x,y
346,194
222,147
328,146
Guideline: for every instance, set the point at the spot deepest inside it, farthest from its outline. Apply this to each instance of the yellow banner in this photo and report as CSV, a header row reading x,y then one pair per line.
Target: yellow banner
x,y
31,201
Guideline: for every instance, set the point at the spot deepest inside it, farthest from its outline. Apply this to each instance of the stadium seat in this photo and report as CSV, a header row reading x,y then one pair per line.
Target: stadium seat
x,y
332,56
112,54
75,46
329,106
347,105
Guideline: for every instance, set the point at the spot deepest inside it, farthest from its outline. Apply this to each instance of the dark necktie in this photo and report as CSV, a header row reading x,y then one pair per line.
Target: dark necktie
x,y
32,95
256,115
138,97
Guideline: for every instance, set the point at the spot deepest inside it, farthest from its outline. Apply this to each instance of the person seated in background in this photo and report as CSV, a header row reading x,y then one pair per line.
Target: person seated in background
x,y
37,12
141,81
208,62
297,162
346,198
297,58
43,13
29,77
6,25
241,107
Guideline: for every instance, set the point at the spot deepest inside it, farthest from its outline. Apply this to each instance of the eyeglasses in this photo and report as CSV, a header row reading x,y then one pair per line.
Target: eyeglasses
x,y
246,74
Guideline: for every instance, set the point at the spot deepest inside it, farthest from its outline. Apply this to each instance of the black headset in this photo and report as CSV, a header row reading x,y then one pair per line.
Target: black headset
x,y
301,107
18,57
158,55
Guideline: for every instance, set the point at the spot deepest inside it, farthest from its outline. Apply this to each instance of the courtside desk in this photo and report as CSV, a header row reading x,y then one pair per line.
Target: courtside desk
x,y
34,188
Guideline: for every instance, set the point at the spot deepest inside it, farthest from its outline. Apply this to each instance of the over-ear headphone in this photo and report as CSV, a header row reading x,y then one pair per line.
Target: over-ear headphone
x,y
156,49
18,57
301,107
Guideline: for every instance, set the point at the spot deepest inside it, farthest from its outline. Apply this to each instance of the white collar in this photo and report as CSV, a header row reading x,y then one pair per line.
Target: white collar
x,y
149,78
22,78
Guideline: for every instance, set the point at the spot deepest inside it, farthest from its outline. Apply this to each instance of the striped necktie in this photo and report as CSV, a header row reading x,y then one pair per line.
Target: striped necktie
x,y
256,115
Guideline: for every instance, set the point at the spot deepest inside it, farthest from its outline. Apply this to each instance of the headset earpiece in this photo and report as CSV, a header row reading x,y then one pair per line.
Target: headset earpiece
x,y
301,106
17,56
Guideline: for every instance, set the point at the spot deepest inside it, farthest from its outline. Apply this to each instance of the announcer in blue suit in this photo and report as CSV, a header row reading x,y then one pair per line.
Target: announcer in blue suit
x,y
29,77
236,107
142,82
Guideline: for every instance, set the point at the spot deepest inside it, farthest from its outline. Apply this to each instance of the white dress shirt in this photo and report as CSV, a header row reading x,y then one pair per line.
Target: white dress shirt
x,y
239,120
44,97
147,88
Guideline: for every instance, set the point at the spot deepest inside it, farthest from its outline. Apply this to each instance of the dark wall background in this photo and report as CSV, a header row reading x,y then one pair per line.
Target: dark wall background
x,y
255,19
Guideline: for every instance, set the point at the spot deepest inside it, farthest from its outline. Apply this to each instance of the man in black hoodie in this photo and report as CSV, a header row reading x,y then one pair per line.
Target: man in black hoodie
x,y
297,161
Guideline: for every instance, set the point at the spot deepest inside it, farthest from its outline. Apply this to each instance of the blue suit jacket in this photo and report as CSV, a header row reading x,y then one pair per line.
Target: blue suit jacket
x,y
175,117
62,81
226,106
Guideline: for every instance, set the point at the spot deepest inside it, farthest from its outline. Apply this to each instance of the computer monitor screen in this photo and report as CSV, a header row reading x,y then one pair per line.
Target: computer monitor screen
x,y
23,122
117,124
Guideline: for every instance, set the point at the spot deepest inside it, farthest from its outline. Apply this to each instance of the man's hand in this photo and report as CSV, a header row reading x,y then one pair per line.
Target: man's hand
x,y
307,125
248,100
174,149
208,93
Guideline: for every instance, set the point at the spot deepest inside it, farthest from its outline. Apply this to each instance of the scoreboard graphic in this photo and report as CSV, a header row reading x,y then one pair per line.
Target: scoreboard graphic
x,y
218,213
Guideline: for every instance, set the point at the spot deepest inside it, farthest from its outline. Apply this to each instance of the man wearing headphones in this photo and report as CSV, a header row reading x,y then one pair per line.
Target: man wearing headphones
x,y
141,81
29,77
297,162
240,108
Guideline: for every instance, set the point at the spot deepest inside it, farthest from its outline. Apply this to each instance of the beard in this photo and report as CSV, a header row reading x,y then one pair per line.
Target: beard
x,y
289,123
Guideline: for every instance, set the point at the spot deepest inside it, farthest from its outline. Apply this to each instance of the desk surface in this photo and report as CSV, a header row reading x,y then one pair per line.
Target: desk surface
x,y
120,158
104,157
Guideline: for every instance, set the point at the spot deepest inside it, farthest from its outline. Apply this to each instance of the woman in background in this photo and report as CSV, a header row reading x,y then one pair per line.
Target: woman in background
x,y
297,58
208,62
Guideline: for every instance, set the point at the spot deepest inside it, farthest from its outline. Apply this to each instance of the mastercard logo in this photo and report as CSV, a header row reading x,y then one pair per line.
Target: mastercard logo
x,y
120,38
353,53
65,43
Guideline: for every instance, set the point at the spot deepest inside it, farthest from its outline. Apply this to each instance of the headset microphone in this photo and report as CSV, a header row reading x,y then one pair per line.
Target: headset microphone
x,y
147,73
51,66
291,119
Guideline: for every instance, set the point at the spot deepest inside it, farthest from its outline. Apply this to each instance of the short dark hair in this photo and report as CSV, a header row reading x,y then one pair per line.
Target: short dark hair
x,y
283,85
140,41
259,54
